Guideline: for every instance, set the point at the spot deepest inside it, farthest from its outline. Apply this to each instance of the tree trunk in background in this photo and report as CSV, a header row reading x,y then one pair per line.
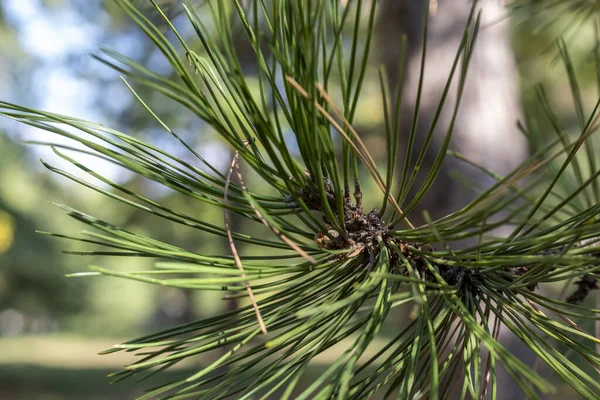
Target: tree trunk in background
x,y
485,129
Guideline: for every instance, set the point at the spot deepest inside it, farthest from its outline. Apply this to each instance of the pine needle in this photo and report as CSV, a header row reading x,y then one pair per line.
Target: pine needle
x,y
238,261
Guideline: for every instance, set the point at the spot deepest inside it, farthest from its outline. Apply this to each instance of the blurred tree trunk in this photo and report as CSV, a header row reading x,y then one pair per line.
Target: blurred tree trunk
x,y
485,129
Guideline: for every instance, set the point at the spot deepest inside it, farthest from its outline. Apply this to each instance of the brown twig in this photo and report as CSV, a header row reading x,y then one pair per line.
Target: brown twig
x,y
236,257
585,285
276,231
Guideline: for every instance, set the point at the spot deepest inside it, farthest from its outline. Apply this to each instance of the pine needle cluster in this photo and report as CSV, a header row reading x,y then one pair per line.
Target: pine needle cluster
x,y
332,271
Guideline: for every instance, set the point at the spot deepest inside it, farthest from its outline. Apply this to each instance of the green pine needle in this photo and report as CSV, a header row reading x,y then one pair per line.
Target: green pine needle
x,y
333,272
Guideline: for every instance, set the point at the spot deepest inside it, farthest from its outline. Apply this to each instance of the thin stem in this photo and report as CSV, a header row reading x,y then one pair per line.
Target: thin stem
x,y
236,257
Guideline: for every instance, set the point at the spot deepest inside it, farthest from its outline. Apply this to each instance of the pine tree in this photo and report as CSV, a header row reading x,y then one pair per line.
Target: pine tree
x,y
333,270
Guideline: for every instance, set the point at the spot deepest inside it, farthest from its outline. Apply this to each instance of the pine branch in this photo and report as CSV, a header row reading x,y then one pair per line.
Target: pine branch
x,y
334,271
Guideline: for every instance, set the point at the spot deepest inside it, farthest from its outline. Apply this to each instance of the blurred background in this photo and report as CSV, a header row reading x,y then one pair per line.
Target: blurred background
x,y
52,327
